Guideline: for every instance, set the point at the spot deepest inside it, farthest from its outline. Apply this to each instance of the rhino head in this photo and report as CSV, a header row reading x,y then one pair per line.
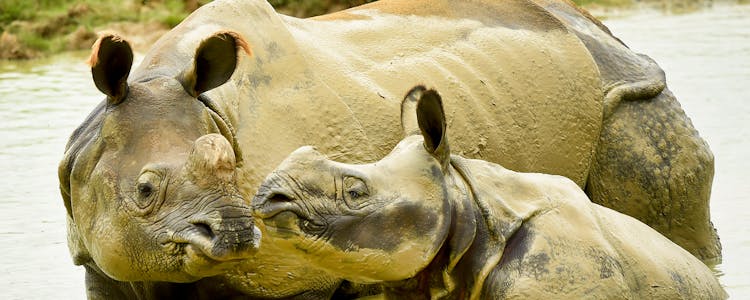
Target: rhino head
x,y
148,180
367,223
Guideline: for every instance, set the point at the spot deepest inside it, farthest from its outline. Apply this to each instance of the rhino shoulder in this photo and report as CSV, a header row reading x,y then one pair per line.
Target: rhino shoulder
x,y
523,193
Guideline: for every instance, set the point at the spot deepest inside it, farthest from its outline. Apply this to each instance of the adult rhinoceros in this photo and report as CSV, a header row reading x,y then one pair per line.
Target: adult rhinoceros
x,y
536,86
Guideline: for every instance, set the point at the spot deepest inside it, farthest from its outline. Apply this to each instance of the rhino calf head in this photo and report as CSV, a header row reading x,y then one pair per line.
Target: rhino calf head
x,y
383,221
148,180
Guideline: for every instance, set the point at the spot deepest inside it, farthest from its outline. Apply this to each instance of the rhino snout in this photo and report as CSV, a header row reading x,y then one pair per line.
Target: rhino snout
x,y
229,237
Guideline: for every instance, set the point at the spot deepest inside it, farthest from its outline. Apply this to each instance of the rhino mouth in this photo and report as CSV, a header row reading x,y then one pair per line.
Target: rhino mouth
x,y
281,215
199,243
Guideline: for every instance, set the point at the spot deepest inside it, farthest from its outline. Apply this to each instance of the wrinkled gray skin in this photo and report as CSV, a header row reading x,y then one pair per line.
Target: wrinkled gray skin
x,y
537,86
428,225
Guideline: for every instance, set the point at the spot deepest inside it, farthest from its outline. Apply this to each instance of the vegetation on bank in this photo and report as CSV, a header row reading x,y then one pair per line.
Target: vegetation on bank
x,y
35,28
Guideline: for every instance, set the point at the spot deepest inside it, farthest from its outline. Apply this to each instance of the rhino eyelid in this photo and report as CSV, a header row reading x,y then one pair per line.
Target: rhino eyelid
x,y
354,189
160,172
151,191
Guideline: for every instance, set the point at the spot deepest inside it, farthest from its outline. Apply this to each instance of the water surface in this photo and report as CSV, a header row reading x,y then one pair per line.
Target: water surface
x,y
41,102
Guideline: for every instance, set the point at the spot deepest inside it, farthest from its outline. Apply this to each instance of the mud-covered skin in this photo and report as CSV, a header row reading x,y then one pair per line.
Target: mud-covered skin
x,y
528,91
428,225
663,184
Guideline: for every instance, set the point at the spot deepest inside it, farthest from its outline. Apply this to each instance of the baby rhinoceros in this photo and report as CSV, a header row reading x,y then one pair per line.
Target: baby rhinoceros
x,y
427,224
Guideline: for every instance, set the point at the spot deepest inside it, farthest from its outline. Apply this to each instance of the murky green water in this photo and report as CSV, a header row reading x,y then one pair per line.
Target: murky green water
x,y
706,56
40,104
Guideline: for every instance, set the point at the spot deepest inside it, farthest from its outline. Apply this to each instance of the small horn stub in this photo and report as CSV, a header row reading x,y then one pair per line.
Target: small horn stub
x,y
211,161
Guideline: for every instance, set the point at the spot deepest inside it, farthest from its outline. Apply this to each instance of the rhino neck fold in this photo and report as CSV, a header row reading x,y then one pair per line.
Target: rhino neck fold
x,y
475,244
472,259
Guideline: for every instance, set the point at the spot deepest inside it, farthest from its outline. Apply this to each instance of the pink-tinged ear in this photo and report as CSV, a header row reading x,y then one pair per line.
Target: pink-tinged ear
x,y
432,124
110,61
215,61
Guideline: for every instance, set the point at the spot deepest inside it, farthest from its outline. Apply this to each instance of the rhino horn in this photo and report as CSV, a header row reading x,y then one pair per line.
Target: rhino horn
x,y
211,161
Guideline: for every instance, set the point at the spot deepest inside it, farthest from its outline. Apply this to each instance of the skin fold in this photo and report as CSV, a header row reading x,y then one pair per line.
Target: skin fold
x,y
428,225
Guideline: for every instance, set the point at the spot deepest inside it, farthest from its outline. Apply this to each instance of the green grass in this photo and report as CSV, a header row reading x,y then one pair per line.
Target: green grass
x,y
48,26
35,41
11,10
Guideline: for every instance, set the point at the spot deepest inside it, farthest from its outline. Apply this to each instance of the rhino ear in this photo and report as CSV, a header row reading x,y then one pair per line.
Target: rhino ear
x,y
215,61
409,123
431,120
110,61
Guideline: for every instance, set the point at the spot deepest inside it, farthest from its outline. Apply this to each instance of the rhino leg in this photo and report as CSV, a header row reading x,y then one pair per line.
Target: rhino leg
x,y
100,286
652,164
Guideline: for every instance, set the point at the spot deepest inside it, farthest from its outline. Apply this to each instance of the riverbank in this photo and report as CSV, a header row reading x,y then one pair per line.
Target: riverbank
x,y
33,29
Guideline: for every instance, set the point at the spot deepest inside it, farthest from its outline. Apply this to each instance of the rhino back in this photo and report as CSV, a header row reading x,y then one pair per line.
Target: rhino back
x,y
572,248
522,91
556,243
661,269
569,247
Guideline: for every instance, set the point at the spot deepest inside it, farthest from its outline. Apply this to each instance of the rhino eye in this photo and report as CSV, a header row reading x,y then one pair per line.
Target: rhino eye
x,y
355,192
145,189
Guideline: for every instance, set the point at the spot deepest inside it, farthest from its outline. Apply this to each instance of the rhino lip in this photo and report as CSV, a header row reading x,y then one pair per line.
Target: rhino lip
x,y
202,244
275,198
174,248
270,210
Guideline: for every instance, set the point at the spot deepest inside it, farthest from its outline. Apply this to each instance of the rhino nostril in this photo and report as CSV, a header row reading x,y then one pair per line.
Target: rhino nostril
x,y
204,229
279,197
